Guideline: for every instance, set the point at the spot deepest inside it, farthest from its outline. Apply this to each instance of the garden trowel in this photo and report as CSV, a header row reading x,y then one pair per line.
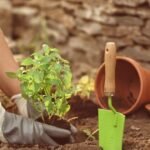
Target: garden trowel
x,y
110,122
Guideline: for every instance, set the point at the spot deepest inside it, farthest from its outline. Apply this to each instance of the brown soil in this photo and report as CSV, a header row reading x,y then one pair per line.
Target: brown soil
x,y
57,122
137,130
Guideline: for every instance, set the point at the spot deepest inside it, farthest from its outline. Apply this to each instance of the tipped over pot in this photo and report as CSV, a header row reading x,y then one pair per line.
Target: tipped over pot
x,y
132,86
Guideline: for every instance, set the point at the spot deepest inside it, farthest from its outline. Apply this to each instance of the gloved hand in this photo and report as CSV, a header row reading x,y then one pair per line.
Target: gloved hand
x,y
24,107
22,130
26,110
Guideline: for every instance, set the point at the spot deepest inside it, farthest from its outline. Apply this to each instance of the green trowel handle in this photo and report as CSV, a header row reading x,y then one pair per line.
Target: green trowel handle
x,y
110,65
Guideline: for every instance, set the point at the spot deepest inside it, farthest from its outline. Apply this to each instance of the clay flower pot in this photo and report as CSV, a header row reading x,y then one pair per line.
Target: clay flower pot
x,y
132,86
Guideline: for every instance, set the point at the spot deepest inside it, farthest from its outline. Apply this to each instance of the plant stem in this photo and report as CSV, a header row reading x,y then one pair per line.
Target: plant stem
x,y
91,135
73,118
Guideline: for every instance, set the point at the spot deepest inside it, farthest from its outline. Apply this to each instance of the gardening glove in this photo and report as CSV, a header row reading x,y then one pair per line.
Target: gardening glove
x,y
24,107
17,129
26,110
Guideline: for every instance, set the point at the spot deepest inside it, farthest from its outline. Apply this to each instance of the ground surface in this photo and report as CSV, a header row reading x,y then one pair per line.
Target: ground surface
x,y
137,130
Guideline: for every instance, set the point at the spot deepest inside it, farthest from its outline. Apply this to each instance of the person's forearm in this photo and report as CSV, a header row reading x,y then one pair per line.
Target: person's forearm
x,y
7,64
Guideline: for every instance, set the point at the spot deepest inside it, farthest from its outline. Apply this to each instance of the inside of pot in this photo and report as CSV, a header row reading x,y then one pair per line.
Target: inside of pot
x,y
127,86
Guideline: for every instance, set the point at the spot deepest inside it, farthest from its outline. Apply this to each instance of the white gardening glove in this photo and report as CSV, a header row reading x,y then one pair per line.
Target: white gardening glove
x,y
24,107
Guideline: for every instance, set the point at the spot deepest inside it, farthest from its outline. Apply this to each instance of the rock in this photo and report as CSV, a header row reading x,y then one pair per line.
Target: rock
x,y
36,4
25,11
107,30
18,2
35,21
129,3
95,58
11,43
119,31
60,16
41,5
86,44
146,29
85,49
96,14
84,13
106,20
137,53
90,28
111,10
81,69
126,11
77,56
134,128
141,40
121,43
57,32
123,30
6,17
64,50
23,16
129,21
68,6
143,13
75,1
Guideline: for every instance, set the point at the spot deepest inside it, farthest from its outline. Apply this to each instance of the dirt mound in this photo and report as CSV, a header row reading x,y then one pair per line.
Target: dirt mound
x,y
136,137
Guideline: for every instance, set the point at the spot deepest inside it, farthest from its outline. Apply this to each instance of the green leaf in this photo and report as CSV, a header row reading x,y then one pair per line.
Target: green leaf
x,y
11,74
64,61
49,105
54,56
63,107
37,56
27,62
56,82
67,80
46,60
68,95
46,49
37,76
54,50
37,88
57,67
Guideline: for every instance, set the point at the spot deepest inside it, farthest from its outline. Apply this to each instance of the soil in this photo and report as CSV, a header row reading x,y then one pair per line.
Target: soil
x,y
55,121
84,116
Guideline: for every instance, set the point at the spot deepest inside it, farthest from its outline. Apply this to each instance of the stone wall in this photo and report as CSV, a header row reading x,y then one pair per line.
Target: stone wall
x,y
6,16
80,28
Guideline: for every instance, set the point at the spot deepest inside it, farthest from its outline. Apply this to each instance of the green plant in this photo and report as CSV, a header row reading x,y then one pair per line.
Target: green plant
x,y
84,87
46,81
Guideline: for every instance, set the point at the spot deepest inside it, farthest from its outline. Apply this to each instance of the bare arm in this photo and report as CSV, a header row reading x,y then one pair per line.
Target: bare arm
x,y
7,64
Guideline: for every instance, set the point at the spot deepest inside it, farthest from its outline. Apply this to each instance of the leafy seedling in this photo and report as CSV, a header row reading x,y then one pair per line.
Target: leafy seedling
x,y
84,87
46,81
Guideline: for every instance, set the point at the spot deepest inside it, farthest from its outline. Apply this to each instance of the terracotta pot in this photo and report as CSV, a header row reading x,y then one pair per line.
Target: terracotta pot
x,y
132,86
